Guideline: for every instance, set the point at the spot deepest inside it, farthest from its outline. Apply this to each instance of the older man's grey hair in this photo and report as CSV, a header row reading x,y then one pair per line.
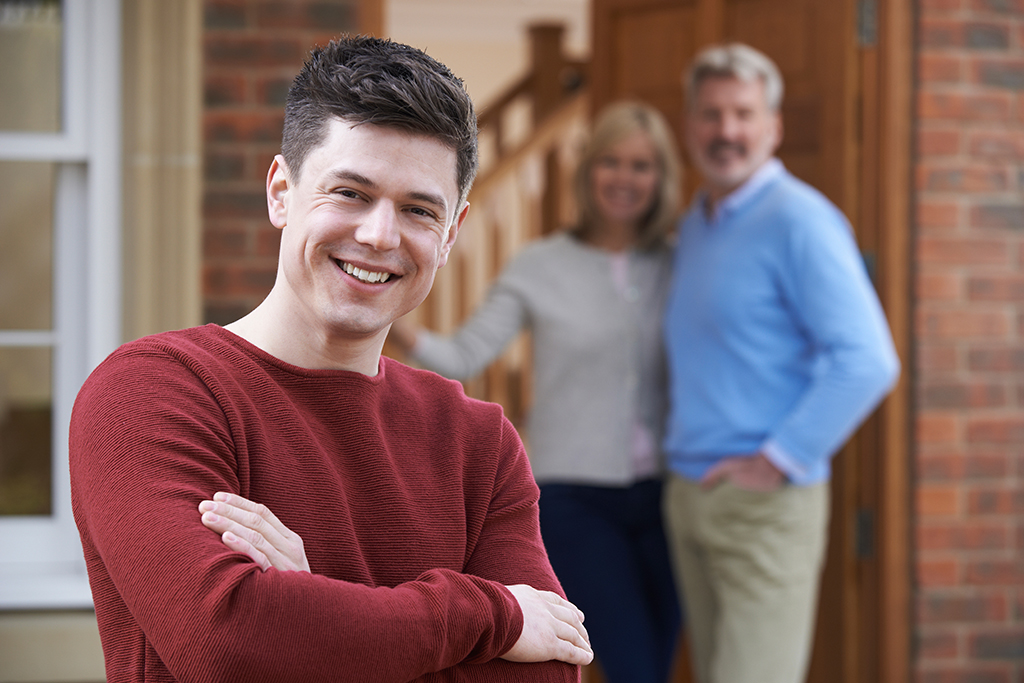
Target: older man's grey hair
x,y
735,60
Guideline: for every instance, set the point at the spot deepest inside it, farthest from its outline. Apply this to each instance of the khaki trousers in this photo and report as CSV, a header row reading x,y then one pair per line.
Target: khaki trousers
x,y
748,565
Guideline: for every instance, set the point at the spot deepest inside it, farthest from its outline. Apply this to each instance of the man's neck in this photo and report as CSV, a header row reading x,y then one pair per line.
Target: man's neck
x,y
304,347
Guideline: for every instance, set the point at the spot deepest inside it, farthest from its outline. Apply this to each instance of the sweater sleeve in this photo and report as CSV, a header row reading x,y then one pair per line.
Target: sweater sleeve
x,y
146,446
481,339
856,363
509,548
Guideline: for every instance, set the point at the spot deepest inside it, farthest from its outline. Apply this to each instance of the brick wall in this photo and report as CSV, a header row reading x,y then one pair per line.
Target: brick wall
x,y
970,342
252,50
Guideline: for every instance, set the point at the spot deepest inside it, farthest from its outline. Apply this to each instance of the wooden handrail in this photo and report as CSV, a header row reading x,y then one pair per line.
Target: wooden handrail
x,y
520,194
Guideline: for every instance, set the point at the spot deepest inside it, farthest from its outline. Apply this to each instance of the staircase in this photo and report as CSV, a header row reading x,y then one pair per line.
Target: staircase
x,y
530,138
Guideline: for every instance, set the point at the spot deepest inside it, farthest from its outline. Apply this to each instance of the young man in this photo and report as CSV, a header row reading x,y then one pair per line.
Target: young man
x,y
409,510
778,348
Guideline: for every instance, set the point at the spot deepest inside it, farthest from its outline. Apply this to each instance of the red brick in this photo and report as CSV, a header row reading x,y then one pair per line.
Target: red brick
x,y
939,67
958,251
995,500
335,17
937,643
961,395
999,73
986,35
996,359
247,51
1007,429
232,241
997,145
936,427
932,213
238,280
970,673
938,500
928,7
962,178
938,287
998,215
235,204
962,324
268,241
224,14
936,358
1004,572
938,142
940,33
224,90
1002,643
1004,287
939,467
997,6
272,90
964,535
936,607
223,166
225,126
937,572
987,465
956,106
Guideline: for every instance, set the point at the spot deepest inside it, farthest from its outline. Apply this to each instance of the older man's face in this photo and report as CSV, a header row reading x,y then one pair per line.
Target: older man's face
x,y
730,132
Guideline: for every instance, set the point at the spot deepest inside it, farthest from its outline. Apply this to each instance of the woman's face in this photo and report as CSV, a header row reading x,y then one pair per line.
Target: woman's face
x,y
625,179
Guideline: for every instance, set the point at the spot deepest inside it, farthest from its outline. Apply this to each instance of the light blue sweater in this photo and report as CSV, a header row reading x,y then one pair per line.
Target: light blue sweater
x,y
776,339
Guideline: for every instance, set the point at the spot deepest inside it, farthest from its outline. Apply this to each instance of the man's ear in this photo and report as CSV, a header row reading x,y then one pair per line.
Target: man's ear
x,y
277,192
453,232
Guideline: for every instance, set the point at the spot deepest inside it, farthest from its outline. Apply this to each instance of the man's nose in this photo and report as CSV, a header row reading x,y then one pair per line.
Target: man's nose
x,y
728,127
379,228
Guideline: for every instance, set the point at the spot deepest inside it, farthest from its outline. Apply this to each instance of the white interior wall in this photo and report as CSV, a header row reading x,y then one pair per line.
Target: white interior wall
x,y
485,42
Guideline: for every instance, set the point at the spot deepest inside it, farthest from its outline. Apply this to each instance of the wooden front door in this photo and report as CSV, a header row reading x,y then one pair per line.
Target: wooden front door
x,y
832,140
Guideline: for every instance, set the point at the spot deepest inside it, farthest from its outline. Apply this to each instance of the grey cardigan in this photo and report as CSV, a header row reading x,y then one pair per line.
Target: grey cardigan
x,y
598,362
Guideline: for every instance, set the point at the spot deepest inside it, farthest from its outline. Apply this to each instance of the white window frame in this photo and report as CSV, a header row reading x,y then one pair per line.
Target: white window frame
x,y
41,563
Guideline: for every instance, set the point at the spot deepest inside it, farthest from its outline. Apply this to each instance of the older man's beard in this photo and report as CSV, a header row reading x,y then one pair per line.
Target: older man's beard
x,y
721,145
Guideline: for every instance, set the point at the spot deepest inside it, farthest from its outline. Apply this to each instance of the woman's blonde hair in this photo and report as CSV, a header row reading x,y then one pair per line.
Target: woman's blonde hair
x,y
615,123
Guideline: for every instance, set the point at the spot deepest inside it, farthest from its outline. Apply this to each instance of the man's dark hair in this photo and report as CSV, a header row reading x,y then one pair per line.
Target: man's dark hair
x,y
370,80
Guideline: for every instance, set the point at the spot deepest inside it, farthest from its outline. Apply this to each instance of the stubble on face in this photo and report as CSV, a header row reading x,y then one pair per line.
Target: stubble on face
x,y
731,132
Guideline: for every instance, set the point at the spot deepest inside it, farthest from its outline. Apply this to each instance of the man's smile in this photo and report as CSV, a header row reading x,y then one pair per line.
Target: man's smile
x,y
368,276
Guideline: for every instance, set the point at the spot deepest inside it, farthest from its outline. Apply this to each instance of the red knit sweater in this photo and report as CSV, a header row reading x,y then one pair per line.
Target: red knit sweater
x,y
415,504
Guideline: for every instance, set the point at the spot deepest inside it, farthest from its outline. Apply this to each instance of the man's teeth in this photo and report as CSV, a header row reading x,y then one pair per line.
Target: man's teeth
x,y
365,275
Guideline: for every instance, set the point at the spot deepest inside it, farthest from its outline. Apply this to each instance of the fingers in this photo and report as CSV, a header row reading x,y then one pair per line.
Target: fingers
x,y
717,474
552,629
252,529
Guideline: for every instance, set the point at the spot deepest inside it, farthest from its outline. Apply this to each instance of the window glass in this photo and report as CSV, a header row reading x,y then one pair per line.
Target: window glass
x,y
25,433
30,52
26,245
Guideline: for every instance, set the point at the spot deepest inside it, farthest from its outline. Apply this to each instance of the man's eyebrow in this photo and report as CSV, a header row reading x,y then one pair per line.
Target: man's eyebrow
x,y
431,198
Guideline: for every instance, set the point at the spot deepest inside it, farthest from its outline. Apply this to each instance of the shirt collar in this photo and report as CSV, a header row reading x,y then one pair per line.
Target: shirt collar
x,y
734,201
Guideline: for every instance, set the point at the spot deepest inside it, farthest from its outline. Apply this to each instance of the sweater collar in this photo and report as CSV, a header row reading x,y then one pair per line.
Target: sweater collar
x,y
736,200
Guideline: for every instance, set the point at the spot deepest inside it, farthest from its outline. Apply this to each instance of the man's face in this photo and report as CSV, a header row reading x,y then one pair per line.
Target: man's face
x,y
731,132
367,224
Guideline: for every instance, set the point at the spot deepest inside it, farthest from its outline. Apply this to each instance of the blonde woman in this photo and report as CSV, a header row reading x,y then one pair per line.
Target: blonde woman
x,y
592,298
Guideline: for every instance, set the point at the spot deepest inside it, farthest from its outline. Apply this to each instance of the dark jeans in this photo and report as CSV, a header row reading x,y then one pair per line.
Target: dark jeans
x,y
607,546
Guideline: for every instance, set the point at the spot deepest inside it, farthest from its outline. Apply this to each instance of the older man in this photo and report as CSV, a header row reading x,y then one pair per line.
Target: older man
x,y
778,348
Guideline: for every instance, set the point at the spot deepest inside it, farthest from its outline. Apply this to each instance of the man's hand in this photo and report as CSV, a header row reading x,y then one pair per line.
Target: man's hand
x,y
552,629
751,472
252,529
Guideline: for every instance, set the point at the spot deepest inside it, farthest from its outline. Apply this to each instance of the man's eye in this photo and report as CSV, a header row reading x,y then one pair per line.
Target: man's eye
x,y
421,212
345,192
